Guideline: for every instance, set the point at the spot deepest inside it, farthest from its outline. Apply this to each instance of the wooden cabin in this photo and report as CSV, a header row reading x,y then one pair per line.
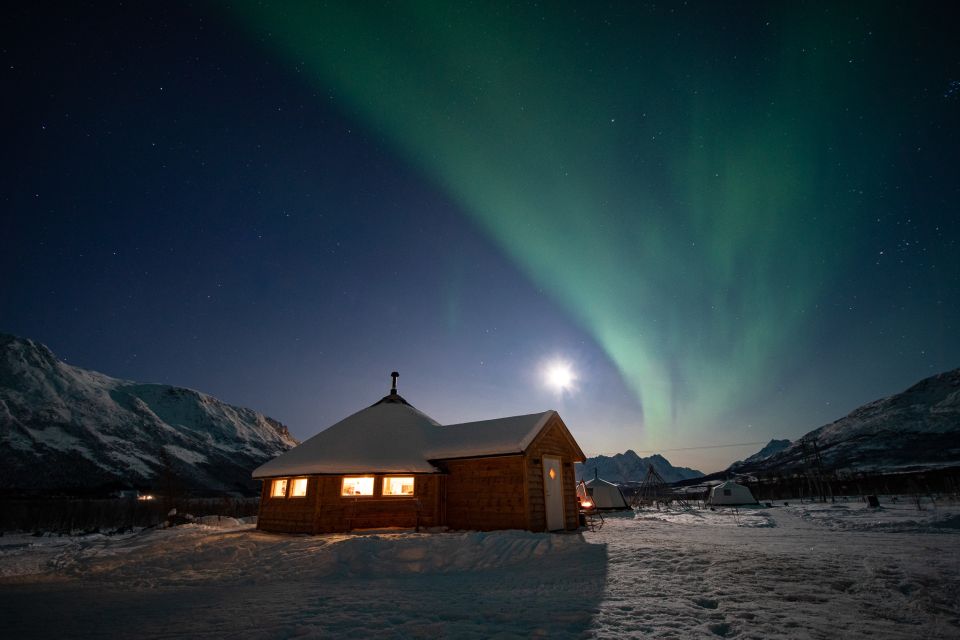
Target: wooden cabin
x,y
390,465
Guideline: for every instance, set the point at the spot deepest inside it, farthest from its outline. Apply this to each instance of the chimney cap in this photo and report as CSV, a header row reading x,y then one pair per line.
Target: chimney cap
x,y
393,397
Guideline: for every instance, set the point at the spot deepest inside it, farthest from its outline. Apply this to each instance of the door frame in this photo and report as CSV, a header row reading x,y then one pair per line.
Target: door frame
x,y
546,501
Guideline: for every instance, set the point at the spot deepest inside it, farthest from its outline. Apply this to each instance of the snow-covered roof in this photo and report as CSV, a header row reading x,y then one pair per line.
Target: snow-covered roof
x,y
728,484
394,437
600,482
387,437
486,437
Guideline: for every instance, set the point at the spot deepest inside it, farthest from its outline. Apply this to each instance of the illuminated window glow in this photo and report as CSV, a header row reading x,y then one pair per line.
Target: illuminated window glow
x,y
357,486
553,474
299,488
398,486
279,488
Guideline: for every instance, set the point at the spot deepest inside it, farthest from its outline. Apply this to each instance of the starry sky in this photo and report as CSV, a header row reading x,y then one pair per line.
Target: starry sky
x,y
731,221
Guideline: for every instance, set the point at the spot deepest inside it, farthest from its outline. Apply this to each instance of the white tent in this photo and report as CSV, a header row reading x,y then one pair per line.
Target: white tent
x,y
730,493
605,495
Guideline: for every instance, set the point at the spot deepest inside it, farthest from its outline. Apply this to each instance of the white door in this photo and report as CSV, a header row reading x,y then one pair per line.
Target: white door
x,y
553,492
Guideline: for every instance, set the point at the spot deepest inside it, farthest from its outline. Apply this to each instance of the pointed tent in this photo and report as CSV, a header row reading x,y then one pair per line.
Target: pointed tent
x,y
654,490
606,495
730,493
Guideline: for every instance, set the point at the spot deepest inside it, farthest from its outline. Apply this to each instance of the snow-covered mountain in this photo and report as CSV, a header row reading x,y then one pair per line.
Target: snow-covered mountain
x,y
66,428
626,467
768,450
918,428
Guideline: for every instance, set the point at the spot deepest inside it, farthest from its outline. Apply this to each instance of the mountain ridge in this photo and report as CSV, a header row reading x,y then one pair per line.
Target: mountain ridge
x,y
916,428
626,467
89,431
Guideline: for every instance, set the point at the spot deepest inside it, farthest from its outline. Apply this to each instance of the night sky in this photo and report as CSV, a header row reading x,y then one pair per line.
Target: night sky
x,y
731,221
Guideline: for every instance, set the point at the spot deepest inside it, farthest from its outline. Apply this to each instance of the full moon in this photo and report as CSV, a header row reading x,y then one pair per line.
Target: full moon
x,y
559,376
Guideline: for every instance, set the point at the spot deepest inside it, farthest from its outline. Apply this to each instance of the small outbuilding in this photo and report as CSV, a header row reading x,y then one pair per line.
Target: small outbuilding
x,y
391,465
730,493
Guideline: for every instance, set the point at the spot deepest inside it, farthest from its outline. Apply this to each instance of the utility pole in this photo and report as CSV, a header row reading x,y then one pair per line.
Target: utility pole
x,y
816,453
811,462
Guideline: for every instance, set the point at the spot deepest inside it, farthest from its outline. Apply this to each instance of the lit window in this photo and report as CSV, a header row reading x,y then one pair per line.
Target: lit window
x,y
299,488
398,486
357,486
279,488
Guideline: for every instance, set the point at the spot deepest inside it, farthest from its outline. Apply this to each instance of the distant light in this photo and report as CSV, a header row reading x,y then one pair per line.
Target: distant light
x,y
145,497
559,376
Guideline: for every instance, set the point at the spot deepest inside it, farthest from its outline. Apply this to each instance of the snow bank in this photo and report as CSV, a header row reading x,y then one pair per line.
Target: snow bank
x,y
364,555
25,554
219,522
222,548
197,581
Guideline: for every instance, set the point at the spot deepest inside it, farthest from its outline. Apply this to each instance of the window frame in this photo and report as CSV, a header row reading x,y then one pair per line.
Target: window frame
x,y
292,484
373,486
273,485
383,486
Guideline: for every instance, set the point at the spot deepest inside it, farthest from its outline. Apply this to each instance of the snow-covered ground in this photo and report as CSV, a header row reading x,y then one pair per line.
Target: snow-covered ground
x,y
797,571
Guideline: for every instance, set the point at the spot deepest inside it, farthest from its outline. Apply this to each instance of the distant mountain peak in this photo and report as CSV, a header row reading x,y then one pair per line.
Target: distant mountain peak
x,y
628,467
91,431
768,450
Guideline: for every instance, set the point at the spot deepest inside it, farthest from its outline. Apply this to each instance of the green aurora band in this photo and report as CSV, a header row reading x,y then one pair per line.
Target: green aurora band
x,y
681,188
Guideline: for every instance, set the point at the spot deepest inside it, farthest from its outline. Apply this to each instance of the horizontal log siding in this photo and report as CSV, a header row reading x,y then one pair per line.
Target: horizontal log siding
x,y
292,515
550,442
324,510
485,493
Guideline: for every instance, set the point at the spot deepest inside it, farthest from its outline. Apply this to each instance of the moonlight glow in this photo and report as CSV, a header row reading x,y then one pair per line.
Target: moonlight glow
x,y
559,376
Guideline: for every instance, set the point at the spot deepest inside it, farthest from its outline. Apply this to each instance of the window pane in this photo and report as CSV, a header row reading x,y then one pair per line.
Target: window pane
x,y
357,486
279,488
398,486
299,488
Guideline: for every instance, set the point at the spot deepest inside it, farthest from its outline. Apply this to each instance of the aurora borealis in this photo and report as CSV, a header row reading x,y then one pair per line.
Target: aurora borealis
x,y
737,221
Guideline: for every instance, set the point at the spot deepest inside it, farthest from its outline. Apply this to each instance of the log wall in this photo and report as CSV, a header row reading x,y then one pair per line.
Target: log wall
x,y
292,515
324,510
486,493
